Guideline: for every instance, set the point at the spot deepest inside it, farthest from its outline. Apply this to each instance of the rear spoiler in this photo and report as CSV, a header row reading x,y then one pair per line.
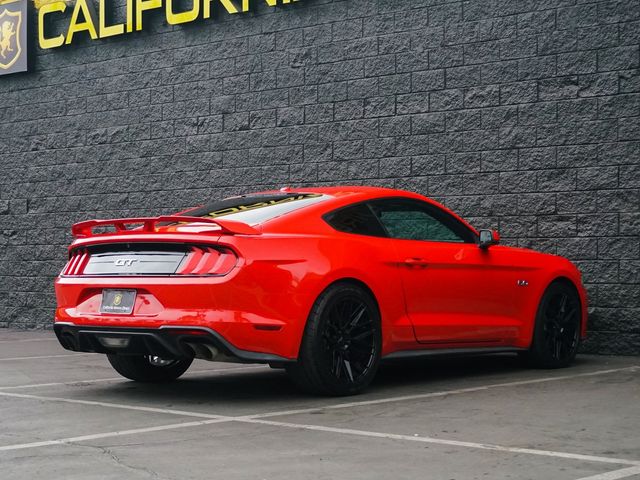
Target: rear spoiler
x,y
85,229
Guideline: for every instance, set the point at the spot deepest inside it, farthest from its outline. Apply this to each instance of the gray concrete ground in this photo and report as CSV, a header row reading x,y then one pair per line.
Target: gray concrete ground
x,y
68,416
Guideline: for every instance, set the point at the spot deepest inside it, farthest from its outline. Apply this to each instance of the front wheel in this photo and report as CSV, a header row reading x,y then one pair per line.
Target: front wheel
x,y
149,368
340,350
556,333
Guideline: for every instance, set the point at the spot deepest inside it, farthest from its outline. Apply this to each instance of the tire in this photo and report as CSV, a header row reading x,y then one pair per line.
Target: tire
x,y
141,368
341,345
556,334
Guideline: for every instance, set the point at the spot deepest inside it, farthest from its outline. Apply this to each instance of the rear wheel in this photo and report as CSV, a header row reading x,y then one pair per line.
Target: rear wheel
x,y
341,346
149,368
557,330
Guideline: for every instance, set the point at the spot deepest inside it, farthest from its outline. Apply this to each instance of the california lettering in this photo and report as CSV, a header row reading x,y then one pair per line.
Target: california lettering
x,y
84,17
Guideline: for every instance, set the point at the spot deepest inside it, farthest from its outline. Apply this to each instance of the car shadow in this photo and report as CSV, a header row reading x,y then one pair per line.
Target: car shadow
x,y
267,389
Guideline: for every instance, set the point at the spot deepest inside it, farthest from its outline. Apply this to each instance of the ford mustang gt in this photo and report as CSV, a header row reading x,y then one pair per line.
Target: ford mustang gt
x,y
324,282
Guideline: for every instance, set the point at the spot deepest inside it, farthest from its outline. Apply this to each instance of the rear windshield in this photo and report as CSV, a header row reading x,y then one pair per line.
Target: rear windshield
x,y
255,209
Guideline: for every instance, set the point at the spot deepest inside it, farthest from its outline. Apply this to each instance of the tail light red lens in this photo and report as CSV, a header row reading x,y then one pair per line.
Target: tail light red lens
x,y
197,260
208,261
77,261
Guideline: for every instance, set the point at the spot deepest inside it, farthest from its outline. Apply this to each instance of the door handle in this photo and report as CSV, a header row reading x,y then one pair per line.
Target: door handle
x,y
416,262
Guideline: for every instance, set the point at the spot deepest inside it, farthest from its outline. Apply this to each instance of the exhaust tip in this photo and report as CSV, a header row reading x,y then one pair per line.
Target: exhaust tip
x,y
203,351
68,341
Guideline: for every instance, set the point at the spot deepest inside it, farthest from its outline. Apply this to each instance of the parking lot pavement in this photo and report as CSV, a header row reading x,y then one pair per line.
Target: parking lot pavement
x,y
69,416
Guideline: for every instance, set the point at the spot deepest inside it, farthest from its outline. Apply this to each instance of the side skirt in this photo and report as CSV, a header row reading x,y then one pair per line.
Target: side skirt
x,y
433,352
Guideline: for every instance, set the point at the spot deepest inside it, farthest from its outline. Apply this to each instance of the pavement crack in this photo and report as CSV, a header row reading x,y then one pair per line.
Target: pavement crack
x,y
121,463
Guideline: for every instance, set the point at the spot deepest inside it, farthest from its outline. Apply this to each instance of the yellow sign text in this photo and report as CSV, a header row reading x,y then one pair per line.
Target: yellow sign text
x,y
84,18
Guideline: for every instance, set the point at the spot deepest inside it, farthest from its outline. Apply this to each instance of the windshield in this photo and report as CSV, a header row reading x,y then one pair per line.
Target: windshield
x,y
254,209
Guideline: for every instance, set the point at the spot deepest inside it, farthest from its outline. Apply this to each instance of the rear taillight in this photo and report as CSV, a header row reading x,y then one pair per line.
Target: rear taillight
x,y
208,261
77,262
191,260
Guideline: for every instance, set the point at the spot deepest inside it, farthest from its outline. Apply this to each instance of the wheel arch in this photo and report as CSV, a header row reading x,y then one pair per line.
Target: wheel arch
x,y
566,280
564,273
348,280
575,284
578,289
310,369
359,283
368,265
538,353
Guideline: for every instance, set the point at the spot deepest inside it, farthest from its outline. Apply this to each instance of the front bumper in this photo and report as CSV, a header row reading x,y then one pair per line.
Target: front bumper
x,y
165,342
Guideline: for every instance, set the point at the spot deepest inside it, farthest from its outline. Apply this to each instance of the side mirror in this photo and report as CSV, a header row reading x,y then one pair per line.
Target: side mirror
x,y
488,238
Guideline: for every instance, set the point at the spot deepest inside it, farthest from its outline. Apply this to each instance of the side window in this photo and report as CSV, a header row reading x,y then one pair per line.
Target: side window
x,y
358,219
414,220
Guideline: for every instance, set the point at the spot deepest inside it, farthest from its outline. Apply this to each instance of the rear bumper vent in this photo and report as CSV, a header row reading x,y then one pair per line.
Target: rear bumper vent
x,y
150,260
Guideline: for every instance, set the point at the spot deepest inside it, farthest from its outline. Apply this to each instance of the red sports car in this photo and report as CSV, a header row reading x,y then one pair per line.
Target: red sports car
x,y
324,282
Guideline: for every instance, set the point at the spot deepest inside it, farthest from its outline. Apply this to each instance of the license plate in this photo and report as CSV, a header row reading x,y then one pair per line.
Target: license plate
x,y
118,301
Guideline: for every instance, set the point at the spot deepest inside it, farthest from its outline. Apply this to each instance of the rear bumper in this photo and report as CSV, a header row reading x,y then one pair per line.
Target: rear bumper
x,y
250,316
165,342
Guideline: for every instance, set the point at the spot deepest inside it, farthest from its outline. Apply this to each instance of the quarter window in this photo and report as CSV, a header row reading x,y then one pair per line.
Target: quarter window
x,y
358,219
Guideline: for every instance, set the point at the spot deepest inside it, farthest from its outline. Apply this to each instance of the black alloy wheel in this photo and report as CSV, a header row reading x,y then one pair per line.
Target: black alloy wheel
x,y
557,331
348,339
341,347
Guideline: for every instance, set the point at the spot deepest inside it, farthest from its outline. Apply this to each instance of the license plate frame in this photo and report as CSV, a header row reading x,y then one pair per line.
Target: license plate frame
x,y
116,301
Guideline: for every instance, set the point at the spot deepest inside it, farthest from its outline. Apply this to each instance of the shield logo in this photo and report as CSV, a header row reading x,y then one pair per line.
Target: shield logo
x,y
10,48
